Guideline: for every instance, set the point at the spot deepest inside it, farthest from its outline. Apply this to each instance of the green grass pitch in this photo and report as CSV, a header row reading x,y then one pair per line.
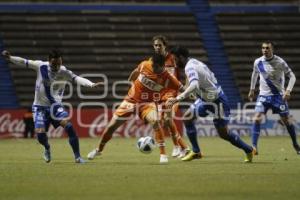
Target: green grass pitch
x,y
123,173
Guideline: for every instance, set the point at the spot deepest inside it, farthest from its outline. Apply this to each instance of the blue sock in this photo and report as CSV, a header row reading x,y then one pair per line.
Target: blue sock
x,y
191,132
73,139
255,134
238,142
43,140
291,129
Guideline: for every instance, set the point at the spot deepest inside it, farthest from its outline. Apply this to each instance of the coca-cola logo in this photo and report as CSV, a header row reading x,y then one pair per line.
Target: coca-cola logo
x,y
8,125
133,127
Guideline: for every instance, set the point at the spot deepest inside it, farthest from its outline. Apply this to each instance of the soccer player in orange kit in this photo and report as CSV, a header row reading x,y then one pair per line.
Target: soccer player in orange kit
x,y
160,45
141,99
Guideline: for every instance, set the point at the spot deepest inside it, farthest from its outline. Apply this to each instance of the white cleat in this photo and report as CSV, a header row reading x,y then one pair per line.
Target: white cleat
x,y
80,160
176,151
93,154
163,159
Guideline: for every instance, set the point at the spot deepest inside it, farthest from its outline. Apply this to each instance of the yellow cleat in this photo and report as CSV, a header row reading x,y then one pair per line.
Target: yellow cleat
x,y
191,156
249,156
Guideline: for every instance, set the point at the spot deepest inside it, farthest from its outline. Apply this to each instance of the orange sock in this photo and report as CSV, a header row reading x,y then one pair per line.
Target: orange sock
x,y
176,135
105,138
173,136
159,137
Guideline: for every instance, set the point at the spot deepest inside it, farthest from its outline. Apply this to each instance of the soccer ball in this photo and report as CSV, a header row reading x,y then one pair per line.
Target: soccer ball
x,y
146,144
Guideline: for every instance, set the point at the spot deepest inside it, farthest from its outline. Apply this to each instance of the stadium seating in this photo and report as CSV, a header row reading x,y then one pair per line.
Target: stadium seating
x,y
252,2
107,1
97,42
243,33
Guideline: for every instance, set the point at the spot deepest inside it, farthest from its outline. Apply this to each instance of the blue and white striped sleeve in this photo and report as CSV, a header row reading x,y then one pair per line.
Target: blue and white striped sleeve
x,y
191,74
33,64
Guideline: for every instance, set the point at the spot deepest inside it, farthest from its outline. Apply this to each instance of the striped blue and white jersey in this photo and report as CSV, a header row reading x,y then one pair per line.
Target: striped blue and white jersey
x,y
272,75
49,85
208,88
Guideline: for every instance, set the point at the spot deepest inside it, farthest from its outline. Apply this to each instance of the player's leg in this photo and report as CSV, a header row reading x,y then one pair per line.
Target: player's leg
x,y
263,103
59,117
40,123
119,118
148,112
166,129
73,139
291,130
168,118
281,107
255,131
191,131
235,140
112,126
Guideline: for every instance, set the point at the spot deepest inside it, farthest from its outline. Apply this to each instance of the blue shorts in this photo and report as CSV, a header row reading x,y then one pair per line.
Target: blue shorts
x,y
43,116
219,108
275,102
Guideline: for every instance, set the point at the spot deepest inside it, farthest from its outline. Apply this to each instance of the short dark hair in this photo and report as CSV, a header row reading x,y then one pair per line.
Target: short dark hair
x,y
162,38
180,51
158,59
54,54
269,42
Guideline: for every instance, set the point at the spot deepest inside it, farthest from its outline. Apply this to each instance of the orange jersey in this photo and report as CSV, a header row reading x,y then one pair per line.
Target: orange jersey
x,y
171,67
148,86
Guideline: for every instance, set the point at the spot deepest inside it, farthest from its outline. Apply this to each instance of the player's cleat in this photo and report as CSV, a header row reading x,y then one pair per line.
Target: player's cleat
x,y
184,152
256,151
297,148
47,156
163,159
191,156
249,156
80,160
176,151
93,154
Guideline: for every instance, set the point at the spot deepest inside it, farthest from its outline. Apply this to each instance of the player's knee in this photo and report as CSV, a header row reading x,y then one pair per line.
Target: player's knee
x,y
39,130
257,118
64,123
285,120
154,121
223,132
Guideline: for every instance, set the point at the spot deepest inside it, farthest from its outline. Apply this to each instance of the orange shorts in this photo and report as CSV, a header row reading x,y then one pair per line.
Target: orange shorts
x,y
141,109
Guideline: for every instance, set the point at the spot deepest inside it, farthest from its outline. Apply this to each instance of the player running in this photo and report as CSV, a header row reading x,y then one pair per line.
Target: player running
x,y
211,98
141,98
47,106
272,71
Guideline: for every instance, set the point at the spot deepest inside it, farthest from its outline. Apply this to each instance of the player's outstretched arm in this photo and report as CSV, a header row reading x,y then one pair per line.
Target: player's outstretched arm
x,y
6,54
87,83
133,76
20,61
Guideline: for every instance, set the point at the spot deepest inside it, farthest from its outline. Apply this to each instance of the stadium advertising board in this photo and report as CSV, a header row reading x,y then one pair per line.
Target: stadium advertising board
x,y
91,123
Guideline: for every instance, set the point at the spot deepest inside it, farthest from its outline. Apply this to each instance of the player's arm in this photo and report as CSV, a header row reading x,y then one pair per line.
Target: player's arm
x,y
80,80
86,82
134,74
289,73
174,83
254,78
33,64
193,78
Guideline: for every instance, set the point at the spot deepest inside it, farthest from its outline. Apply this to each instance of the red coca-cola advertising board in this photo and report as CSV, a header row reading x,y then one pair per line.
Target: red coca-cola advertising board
x,y
87,122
